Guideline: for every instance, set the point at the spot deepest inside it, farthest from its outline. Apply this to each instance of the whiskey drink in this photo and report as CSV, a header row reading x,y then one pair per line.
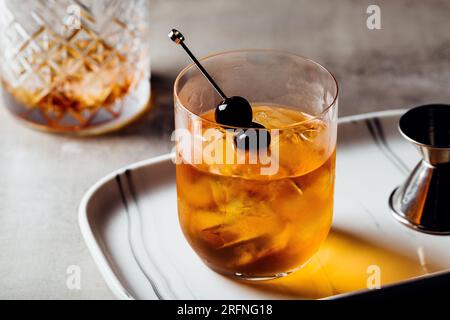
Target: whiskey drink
x,y
262,225
241,219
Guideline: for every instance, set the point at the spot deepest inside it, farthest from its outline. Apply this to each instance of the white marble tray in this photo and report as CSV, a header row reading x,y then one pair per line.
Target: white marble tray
x,y
140,250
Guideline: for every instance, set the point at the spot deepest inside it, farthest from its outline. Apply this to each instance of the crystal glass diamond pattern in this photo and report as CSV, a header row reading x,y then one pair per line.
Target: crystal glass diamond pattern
x,y
73,65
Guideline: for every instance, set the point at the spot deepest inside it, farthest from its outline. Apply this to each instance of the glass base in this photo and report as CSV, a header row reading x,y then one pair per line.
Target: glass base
x,y
253,278
244,277
134,106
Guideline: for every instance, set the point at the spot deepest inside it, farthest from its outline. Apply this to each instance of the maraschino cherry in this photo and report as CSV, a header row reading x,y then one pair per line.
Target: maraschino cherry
x,y
232,111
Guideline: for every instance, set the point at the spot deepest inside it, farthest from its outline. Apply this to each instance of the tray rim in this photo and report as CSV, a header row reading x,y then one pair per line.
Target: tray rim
x,y
112,281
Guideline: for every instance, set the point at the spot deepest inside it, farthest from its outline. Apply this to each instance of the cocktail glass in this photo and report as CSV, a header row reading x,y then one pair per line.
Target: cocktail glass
x,y
257,213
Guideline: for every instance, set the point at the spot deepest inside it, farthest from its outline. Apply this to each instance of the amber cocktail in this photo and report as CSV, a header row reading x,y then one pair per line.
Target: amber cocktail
x,y
250,213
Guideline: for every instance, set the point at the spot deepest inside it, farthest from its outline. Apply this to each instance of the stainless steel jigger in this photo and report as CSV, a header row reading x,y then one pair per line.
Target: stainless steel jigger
x,y
423,201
